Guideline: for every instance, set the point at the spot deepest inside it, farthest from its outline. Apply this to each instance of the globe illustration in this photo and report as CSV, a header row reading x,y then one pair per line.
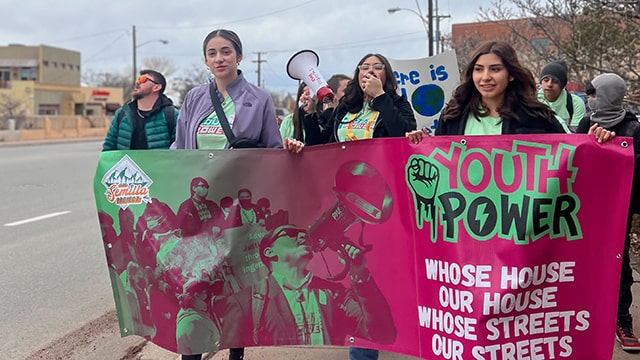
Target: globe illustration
x,y
428,99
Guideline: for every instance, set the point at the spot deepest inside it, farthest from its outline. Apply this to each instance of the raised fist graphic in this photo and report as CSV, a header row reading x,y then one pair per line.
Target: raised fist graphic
x,y
423,177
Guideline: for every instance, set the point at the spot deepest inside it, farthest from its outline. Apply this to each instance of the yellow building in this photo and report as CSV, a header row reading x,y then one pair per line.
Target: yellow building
x,y
44,80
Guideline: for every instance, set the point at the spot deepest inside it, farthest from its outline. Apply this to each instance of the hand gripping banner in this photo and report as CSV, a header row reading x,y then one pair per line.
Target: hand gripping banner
x,y
479,247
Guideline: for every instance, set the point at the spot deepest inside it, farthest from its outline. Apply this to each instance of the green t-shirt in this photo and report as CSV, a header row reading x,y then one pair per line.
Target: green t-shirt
x,y
560,107
286,127
210,135
358,126
488,125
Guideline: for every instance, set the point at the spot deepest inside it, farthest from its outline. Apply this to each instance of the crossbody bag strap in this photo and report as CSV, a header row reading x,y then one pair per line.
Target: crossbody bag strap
x,y
221,115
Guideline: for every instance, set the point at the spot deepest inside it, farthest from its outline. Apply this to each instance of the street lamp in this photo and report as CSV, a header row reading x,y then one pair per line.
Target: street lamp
x,y
425,22
136,46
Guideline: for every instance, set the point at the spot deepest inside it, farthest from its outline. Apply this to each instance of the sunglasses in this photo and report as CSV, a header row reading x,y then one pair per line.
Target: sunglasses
x,y
144,78
285,230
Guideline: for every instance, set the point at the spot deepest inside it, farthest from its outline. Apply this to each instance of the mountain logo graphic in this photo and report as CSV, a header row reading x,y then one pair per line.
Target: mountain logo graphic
x,y
126,184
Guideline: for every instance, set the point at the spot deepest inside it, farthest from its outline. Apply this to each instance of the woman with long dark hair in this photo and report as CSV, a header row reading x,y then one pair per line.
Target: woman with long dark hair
x,y
497,95
370,108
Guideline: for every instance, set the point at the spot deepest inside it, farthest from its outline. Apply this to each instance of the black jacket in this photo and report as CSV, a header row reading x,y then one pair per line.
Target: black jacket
x,y
523,125
395,119
629,126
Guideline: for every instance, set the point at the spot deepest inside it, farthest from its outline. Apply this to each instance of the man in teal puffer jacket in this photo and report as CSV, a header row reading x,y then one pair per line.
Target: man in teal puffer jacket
x,y
148,121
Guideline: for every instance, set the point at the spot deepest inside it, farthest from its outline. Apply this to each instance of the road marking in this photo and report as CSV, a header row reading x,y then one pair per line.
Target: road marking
x,y
37,218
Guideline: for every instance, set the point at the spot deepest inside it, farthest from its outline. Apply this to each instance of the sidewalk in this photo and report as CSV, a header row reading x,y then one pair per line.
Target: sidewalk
x,y
50,141
153,352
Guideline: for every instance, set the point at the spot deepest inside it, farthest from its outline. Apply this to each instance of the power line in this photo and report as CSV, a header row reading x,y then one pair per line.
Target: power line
x,y
353,44
89,36
232,21
89,58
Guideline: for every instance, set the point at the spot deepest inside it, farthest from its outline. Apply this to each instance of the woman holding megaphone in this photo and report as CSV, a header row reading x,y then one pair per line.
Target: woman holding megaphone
x,y
370,108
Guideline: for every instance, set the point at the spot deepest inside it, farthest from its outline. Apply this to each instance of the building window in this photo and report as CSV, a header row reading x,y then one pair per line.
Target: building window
x,y
540,44
45,63
55,64
48,109
28,74
63,65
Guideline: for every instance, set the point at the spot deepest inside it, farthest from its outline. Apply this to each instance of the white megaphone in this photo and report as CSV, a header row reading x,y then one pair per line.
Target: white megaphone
x,y
303,65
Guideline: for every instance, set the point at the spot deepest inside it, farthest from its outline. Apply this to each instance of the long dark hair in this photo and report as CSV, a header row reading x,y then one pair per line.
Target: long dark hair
x,y
297,115
520,92
354,97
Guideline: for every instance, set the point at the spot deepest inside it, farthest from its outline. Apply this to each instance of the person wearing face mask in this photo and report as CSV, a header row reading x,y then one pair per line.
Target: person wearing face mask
x,y
247,209
198,215
605,96
370,108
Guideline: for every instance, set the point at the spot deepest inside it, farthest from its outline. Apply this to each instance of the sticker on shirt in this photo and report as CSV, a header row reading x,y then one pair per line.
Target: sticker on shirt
x,y
211,125
358,126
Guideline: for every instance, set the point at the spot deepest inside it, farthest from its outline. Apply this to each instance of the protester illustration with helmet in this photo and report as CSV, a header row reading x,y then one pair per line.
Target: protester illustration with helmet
x,y
294,306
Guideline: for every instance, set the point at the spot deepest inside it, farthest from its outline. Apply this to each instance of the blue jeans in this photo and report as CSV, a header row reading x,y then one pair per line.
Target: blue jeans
x,y
362,354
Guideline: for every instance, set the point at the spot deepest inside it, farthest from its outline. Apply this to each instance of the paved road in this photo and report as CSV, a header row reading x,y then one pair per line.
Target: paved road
x,y
54,278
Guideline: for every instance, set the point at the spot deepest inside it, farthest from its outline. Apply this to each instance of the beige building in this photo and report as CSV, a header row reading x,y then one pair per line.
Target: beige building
x,y
44,80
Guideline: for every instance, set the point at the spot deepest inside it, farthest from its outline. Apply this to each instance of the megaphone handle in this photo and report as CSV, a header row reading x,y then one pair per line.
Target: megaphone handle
x,y
361,245
347,265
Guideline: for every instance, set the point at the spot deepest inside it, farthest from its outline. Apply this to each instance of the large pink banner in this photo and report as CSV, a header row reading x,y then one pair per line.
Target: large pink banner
x,y
479,247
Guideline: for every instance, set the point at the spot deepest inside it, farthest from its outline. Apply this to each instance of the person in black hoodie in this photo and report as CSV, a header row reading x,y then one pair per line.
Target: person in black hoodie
x,y
605,97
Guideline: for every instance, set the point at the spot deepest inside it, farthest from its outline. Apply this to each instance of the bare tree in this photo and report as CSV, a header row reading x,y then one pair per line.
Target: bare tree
x,y
195,75
13,108
160,64
592,36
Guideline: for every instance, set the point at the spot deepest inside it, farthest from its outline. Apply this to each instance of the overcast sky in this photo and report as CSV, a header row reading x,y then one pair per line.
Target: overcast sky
x,y
340,31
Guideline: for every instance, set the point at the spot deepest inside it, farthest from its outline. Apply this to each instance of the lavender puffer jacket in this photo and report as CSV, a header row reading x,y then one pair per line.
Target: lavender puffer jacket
x,y
255,114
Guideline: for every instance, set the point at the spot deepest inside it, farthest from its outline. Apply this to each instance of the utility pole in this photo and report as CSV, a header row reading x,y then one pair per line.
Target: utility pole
x,y
439,42
259,61
430,21
133,35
